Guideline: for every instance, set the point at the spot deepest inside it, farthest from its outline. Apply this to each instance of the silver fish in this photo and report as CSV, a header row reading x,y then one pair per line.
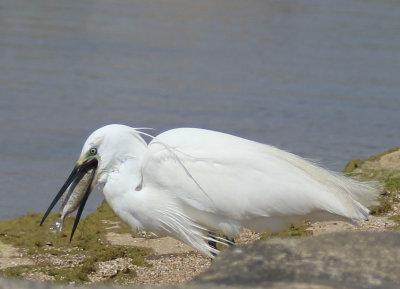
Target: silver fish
x,y
72,198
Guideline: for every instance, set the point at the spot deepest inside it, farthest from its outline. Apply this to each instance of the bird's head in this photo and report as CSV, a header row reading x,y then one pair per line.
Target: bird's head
x,y
103,151
110,146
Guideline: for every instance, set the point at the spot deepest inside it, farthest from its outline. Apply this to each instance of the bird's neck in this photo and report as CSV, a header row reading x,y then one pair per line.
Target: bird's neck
x,y
124,176
122,161
127,177
122,184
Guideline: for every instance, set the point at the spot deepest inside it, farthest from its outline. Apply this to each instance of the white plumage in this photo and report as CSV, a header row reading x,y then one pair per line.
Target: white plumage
x,y
189,181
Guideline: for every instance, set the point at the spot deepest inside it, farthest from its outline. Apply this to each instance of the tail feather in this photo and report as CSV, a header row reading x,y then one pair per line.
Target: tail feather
x,y
362,194
354,195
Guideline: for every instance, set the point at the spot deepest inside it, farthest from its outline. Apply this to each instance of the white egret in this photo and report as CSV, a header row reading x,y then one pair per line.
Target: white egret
x,y
187,182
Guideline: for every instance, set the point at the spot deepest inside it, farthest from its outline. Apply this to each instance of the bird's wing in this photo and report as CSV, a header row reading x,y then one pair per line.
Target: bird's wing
x,y
229,176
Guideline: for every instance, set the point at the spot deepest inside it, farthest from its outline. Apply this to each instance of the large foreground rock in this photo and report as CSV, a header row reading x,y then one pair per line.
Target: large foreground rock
x,y
337,260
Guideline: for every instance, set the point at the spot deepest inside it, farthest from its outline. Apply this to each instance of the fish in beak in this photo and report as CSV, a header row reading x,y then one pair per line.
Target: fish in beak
x,y
75,192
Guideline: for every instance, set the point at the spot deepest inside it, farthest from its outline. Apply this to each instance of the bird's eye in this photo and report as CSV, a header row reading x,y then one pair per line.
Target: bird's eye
x,y
93,151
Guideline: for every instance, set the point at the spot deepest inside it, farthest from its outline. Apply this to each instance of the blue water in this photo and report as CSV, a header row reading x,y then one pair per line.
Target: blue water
x,y
318,78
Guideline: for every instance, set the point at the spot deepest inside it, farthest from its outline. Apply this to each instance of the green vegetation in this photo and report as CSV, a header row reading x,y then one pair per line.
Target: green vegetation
x,y
352,165
89,243
392,183
121,276
17,272
396,218
292,231
389,179
391,195
385,205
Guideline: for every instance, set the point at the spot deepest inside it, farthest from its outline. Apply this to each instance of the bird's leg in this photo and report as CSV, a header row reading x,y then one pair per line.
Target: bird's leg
x,y
231,241
212,243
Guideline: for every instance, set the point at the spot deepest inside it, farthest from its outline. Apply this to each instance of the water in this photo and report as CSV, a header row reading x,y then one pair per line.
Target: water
x,y
318,78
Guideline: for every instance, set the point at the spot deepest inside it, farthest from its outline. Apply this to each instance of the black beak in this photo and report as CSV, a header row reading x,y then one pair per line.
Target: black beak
x,y
76,175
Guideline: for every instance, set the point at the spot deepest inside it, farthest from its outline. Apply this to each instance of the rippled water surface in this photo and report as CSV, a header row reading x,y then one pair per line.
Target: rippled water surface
x,y
318,78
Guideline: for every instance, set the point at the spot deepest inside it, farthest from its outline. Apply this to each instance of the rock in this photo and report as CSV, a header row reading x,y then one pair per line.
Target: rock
x,y
386,161
345,260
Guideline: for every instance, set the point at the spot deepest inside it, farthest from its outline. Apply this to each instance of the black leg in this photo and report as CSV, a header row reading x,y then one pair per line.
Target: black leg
x,y
231,241
212,243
